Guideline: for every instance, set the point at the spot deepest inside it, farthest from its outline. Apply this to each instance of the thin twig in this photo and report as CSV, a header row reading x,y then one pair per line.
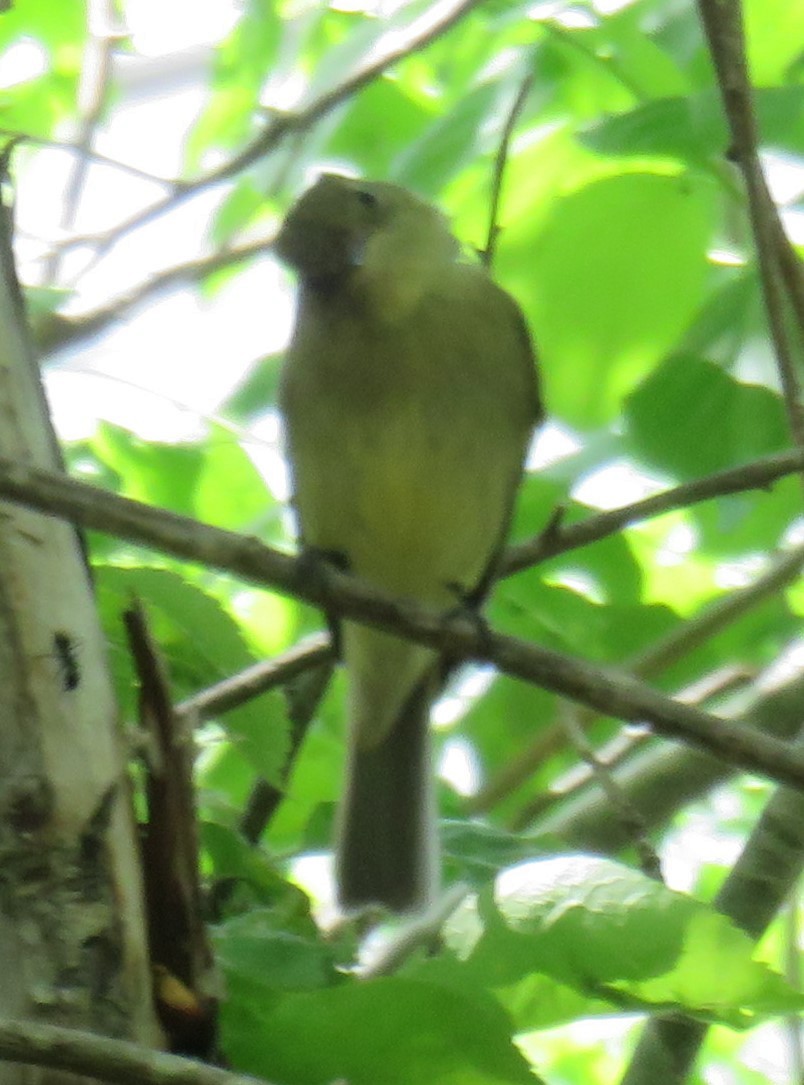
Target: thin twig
x,y
622,747
718,616
425,30
499,168
414,935
631,819
57,331
92,96
461,638
723,25
256,680
756,475
94,156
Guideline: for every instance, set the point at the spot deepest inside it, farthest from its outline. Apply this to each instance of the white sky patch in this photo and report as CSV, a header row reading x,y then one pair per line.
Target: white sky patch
x,y
619,483
459,767
157,29
739,574
25,59
551,443
680,541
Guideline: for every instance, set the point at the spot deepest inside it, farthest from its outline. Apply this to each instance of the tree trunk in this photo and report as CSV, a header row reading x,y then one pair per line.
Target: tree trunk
x,y
72,935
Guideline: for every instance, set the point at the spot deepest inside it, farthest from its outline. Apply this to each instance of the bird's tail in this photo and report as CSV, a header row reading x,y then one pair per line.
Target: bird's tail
x,y
387,850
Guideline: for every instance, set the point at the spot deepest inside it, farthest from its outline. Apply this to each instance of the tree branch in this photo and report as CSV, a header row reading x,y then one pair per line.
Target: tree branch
x,y
94,156
428,28
557,539
660,779
116,1061
56,331
93,92
753,892
651,661
461,637
499,168
256,680
778,263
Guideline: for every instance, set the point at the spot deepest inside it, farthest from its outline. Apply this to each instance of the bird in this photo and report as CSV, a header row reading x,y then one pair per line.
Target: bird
x,y
409,393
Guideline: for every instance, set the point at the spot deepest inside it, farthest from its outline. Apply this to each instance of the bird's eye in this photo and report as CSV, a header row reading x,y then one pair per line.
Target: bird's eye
x,y
368,199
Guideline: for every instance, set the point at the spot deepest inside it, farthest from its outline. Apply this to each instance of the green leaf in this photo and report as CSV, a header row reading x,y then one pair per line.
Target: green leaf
x,y
230,491
449,143
612,933
243,204
691,418
242,63
613,276
258,947
394,1031
693,129
256,393
202,645
385,108
158,474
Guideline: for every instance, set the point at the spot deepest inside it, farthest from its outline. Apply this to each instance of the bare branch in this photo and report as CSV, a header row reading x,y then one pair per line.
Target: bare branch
x,y
56,331
432,25
778,263
116,1061
250,683
93,92
461,637
688,636
499,168
634,825
757,475
94,156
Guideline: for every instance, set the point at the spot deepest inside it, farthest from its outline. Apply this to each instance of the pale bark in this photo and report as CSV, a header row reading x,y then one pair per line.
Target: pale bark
x,y
72,938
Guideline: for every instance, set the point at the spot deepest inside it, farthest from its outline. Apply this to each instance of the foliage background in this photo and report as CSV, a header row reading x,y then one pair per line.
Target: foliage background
x,y
623,234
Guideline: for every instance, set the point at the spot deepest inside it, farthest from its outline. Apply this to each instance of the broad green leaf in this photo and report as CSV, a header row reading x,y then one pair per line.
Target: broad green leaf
x,y
258,948
231,492
475,852
378,125
533,1002
773,31
612,933
749,522
615,273
58,25
158,474
244,203
693,129
449,143
214,481
256,393
244,876
691,418
394,1031
565,616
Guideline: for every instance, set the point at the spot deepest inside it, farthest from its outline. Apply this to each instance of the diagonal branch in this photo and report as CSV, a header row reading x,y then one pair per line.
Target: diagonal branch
x,y
56,331
557,539
458,638
778,264
434,23
93,94
756,887
500,163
